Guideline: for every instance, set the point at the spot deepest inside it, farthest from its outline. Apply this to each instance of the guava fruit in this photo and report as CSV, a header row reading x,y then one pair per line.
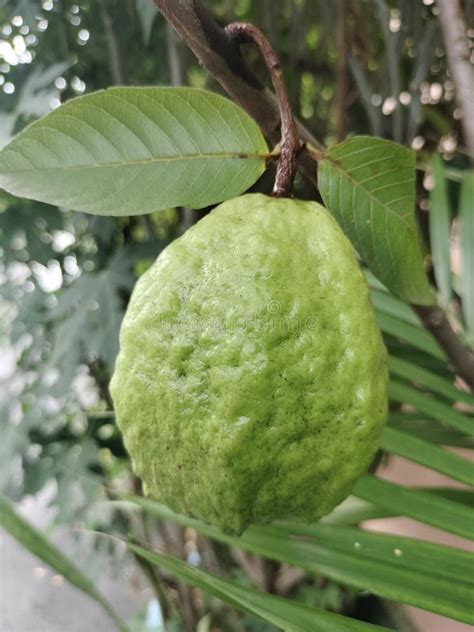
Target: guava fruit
x,y
251,381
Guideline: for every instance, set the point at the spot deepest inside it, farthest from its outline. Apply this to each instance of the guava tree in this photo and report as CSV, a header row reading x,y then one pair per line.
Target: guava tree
x,y
126,152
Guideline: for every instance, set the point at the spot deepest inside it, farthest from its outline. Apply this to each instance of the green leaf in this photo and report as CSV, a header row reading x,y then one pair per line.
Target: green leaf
x,y
429,430
389,304
422,506
466,225
369,186
288,615
440,226
434,559
354,510
374,566
427,454
37,544
417,337
421,376
130,151
431,406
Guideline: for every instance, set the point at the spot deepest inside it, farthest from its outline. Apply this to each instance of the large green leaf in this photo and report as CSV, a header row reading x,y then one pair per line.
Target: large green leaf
x,y
440,225
129,151
35,542
425,453
434,559
466,221
378,568
369,186
290,616
389,304
389,566
423,506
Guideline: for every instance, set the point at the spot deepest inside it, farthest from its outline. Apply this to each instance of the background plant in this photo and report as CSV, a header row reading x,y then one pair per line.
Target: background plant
x,y
370,67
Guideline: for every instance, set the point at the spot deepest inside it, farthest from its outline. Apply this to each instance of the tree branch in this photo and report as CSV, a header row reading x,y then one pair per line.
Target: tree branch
x,y
222,59
460,358
457,50
290,143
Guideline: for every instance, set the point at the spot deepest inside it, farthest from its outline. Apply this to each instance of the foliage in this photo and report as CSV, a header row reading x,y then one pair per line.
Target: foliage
x,y
66,277
167,147
369,185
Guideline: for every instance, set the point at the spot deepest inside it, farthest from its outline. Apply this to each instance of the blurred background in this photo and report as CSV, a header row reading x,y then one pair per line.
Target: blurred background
x,y
367,67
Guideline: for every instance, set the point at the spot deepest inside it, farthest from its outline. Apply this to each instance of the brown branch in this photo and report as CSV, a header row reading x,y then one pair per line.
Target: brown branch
x,y
290,144
460,358
172,536
222,59
457,49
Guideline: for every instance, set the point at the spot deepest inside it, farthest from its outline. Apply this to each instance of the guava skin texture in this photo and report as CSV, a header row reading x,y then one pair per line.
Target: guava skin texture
x,y
251,381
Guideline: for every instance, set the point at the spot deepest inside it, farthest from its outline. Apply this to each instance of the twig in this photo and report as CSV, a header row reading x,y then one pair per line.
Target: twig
x,y
222,59
460,358
290,144
173,538
210,44
457,50
288,577
252,565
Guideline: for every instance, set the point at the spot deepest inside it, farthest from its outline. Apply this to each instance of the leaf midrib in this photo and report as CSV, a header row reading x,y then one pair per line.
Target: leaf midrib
x,y
375,200
203,156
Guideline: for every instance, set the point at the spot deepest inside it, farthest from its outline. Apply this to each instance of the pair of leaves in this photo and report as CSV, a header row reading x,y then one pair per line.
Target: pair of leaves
x,y
130,151
389,566
286,614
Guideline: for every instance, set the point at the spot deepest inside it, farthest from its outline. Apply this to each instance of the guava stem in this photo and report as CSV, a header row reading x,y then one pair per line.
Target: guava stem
x,y
290,144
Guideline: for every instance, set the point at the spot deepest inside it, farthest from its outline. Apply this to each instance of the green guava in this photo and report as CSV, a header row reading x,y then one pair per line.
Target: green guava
x,y
251,381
